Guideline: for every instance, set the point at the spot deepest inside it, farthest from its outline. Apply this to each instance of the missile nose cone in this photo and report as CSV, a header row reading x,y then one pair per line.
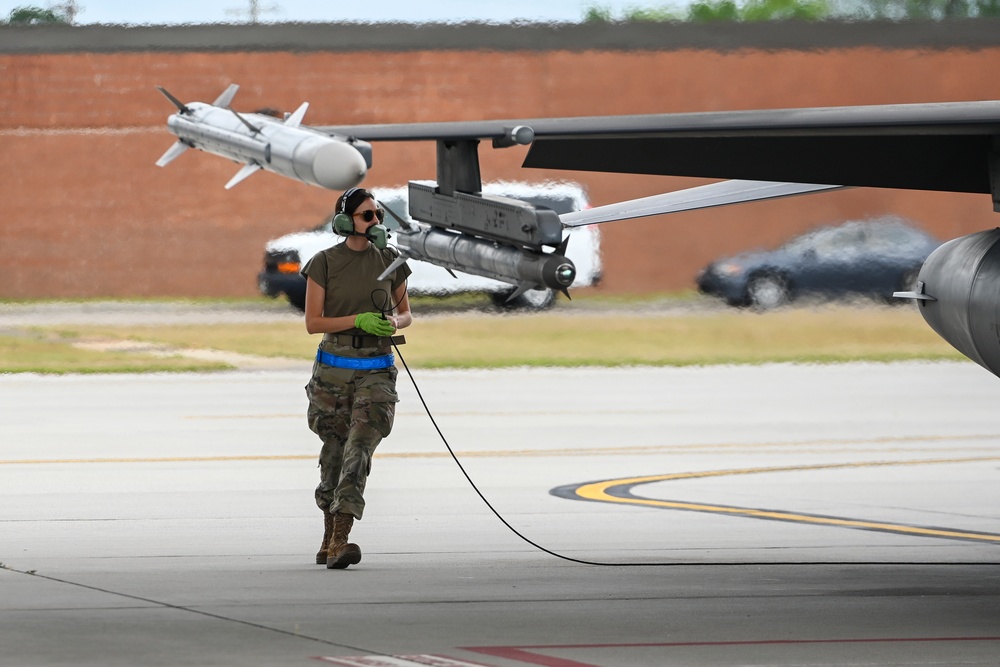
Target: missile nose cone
x,y
559,272
337,166
565,274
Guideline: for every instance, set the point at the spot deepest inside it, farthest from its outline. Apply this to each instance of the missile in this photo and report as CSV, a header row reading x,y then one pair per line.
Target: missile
x,y
261,142
493,237
522,267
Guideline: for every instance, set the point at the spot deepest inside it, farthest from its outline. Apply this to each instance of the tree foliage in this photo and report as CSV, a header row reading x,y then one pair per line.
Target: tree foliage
x,y
777,10
30,15
927,9
807,10
713,10
758,10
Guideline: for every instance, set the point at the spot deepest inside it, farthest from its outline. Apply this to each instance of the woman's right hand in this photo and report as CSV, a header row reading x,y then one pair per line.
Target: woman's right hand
x,y
374,324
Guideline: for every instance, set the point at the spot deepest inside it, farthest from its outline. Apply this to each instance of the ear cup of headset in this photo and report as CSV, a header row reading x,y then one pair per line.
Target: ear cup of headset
x,y
343,225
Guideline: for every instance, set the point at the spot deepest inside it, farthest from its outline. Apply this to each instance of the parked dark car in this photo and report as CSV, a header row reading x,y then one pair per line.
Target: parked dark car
x,y
872,258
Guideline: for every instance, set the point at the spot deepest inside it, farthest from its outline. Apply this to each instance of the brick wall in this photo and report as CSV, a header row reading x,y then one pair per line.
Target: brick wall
x,y
87,213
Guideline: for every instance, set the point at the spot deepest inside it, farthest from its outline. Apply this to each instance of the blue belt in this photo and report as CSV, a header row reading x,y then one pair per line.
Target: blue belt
x,y
355,363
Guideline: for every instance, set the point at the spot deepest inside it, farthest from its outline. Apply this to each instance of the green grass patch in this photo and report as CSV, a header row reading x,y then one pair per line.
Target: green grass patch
x,y
729,337
24,353
228,301
264,339
593,338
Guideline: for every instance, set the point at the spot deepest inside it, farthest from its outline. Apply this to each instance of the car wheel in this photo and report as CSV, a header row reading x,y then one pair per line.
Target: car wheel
x,y
767,290
533,299
298,300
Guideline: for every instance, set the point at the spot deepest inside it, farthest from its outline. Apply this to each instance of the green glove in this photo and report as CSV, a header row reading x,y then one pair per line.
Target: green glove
x,y
374,324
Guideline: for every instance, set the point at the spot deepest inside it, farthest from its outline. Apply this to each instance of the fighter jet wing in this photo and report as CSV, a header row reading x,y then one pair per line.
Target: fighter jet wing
x,y
946,146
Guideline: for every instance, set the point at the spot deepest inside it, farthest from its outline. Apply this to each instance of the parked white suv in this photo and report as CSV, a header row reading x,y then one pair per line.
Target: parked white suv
x,y
284,256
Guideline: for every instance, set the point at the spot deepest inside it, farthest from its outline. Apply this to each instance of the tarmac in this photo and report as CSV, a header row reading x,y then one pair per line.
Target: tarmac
x,y
757,515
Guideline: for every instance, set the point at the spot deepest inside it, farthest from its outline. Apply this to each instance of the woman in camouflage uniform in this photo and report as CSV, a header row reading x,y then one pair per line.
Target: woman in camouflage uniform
x,y
352,392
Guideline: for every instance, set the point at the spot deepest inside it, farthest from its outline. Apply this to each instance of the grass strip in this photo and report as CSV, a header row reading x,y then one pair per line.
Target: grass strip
x,y
20,353
823,335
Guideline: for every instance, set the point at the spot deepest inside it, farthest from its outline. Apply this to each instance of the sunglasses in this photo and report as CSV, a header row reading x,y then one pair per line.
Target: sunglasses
x,y
370,215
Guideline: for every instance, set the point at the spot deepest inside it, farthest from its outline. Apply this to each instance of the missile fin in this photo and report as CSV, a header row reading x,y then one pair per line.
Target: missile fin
x,y
296,118
396,263
917,294
243,174
521,289
171,154
226,98
183,108
561,248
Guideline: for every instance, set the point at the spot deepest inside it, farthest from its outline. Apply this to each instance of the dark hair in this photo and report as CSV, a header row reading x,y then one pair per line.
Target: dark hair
x,y
350,201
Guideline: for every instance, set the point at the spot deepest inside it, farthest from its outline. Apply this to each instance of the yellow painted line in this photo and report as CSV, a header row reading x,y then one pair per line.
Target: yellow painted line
x,y
462,413
599,491
264,457
163,459
575,451
257,416
599,488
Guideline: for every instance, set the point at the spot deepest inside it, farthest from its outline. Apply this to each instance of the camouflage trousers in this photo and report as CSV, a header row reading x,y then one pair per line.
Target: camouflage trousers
x,y
351,411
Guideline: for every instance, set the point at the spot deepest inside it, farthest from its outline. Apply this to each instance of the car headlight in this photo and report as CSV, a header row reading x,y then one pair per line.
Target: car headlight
x,y
729,269
285,261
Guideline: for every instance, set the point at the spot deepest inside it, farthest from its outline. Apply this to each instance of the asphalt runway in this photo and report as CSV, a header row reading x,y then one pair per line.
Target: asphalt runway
x,y
770,515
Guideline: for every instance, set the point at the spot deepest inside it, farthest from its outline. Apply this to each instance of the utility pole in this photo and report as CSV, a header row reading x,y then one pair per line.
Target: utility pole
x,y
254,11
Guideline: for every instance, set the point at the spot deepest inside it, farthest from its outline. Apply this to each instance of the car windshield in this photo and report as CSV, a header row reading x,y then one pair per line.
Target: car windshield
x,y
876,237
821,242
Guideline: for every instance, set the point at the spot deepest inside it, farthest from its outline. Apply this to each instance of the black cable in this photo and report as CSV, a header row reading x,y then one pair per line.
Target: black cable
x,y
387,299
480,493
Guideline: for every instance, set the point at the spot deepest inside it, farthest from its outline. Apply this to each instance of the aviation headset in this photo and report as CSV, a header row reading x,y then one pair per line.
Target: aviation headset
x,y
343,224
